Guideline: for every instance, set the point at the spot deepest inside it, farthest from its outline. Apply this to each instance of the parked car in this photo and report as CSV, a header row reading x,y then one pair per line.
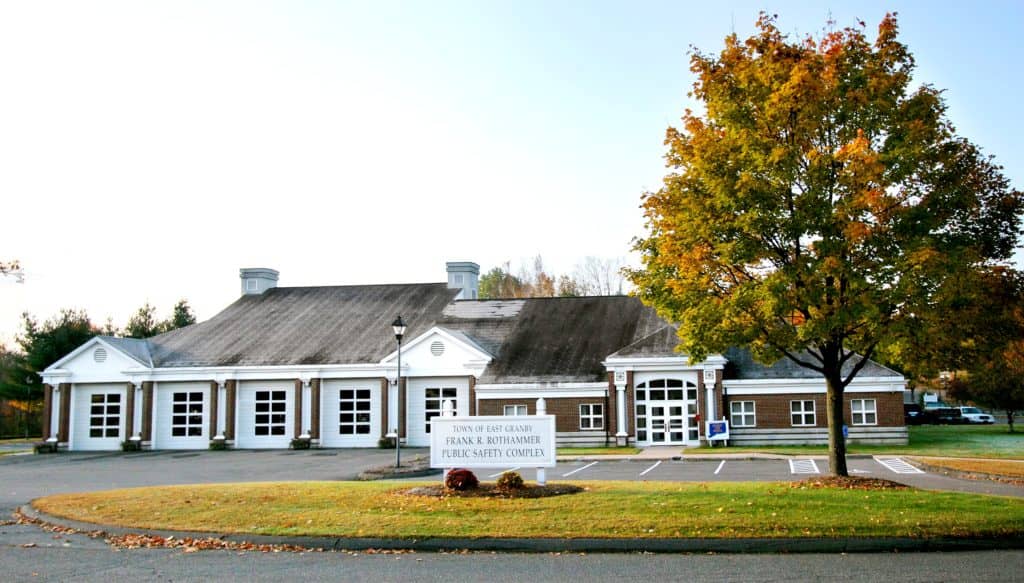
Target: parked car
x,y
944,416
975,415
912,414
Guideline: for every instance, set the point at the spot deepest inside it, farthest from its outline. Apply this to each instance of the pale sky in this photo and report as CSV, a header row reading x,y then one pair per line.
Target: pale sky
x,y
148,150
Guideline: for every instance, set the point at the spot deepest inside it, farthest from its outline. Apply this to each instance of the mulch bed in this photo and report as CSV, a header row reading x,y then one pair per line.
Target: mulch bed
x,y
848,483
492,491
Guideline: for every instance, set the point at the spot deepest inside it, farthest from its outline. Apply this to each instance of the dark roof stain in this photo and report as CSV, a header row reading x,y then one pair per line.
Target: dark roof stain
x,y
305,325
534,340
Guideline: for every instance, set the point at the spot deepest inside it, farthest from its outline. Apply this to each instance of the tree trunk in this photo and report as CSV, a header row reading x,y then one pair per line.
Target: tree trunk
x,y
1009,419
834,414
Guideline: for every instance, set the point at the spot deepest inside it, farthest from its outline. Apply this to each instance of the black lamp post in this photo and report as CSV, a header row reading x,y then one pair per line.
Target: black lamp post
x,y
399,327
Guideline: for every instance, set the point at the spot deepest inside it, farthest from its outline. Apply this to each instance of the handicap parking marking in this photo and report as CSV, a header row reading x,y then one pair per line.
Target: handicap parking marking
x,y
567,474
805,466
861,471
656,464
719,468
503,471
898,466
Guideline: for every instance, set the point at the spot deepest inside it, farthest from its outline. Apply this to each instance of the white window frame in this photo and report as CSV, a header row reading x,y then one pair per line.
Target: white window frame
x,y
434,406
184,412
738,418
514,411
864,411
803,412
596,420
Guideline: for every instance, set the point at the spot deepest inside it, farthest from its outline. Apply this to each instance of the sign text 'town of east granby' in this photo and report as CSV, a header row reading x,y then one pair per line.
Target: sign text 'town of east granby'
x,y
492,441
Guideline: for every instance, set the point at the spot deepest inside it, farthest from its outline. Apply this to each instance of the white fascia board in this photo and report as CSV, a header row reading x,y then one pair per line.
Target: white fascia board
x,y
54,374
258,372
546,390
478,354
411,370
713,361
811,386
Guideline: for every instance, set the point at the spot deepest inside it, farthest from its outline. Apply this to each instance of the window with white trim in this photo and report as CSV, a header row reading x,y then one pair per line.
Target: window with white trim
x,y
435,397
592,416
354,411
187,414
863,412
271,408
515,410
742,414
802,413
105,415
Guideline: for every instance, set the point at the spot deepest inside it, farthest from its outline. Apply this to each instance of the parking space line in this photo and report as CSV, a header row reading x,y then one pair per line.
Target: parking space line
x,y
898,466
567,474
503,471
656,464
803,467
719,468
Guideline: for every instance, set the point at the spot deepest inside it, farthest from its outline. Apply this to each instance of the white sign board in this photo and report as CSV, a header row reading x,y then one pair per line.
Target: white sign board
x,y
492,441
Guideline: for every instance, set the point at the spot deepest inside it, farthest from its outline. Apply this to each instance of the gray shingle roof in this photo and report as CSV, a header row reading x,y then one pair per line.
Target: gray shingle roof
x,y
305,325
743,366
556,339
135,347
532,340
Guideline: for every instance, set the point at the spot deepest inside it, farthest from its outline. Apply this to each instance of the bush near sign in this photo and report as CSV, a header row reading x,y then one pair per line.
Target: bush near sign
x,y
493,441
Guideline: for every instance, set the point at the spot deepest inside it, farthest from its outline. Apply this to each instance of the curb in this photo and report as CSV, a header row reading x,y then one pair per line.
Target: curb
x,y
588,545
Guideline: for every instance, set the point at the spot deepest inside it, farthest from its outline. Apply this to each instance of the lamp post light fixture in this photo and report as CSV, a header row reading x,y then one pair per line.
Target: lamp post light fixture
x,y
399,328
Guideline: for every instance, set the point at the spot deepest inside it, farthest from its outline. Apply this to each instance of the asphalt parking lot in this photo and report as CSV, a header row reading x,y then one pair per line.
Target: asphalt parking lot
x,y
887,467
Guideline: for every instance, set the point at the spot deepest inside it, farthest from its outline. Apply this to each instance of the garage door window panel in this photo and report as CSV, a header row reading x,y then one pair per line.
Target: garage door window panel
x,y
354,411
434,398
271,413
187,414
105,415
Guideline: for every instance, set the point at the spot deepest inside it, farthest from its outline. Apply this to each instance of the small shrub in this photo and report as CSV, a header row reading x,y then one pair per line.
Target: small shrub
x,y
386,443
131,445
510,481
461,480
218,445
301,443
45,447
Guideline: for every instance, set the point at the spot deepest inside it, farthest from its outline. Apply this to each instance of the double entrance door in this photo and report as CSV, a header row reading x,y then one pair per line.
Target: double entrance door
x,y
666,412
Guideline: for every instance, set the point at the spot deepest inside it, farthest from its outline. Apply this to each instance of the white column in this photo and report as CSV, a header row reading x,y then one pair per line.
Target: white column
x,y
55,413
137,412
393,406
222,406
621,415
307,408
542,409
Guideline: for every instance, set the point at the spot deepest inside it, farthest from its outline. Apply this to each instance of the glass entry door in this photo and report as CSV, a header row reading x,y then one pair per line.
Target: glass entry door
x,y
666,412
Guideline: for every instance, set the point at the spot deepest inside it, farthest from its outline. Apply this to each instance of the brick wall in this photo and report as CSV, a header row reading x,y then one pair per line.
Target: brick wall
x,y
773,411
566,411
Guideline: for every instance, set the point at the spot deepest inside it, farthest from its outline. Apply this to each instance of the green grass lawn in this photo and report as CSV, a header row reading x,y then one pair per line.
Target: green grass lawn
x,y
611,450
991,441
604,510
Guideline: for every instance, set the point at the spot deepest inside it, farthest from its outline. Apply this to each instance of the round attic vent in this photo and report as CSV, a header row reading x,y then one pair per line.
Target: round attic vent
x,y
100,354
437,348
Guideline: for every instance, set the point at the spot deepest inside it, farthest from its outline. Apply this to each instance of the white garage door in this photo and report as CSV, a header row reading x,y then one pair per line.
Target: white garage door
x,y
266,414
97,416
424,402
182,416
350,413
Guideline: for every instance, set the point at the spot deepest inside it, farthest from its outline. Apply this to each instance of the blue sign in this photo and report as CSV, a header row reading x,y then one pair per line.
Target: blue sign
x,y
846,432
718,429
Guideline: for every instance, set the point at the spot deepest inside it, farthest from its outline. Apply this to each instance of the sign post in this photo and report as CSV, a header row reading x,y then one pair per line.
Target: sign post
x,y
542,409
